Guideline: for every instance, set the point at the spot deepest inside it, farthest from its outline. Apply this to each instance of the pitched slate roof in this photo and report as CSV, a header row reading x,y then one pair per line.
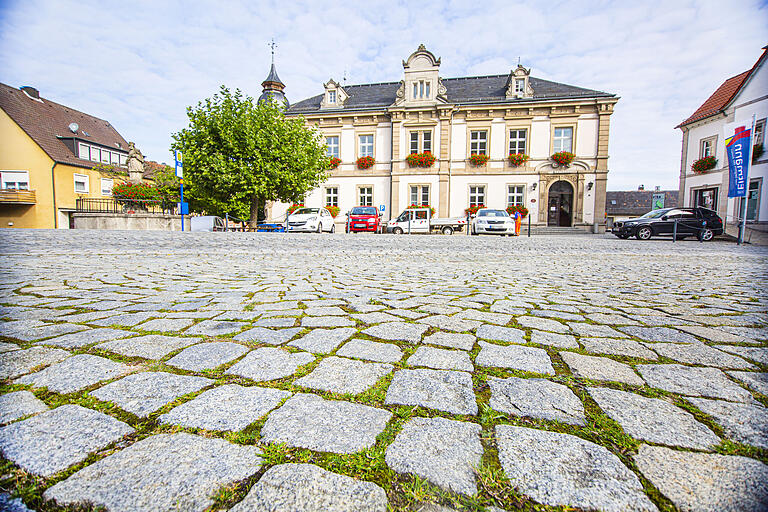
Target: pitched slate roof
x,y
636,202
45,121
463,91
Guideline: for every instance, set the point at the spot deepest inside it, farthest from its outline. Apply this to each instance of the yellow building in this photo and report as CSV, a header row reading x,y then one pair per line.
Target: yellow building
x,y
47,155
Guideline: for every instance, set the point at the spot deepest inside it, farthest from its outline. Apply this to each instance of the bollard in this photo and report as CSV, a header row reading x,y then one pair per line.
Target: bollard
x,y
409,222
674,232
529,226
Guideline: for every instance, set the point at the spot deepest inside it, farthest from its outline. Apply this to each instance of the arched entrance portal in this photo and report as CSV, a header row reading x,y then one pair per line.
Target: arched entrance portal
x,y
560,204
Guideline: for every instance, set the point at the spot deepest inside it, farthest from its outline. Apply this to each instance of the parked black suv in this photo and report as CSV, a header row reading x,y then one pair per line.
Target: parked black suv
x,y
690,222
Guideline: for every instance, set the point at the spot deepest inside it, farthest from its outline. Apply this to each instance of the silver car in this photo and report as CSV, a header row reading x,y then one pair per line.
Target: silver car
x,y
310,220
493,222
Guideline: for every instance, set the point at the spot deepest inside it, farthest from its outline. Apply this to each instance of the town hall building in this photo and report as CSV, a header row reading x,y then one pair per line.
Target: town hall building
x,y
471,125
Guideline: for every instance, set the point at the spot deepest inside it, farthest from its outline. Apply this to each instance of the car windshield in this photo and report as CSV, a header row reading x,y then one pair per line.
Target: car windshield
x,y
305,211
655,214
492,213
363,210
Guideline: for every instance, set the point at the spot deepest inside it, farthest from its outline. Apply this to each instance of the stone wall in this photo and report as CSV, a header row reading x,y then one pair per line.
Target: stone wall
x,y
133,221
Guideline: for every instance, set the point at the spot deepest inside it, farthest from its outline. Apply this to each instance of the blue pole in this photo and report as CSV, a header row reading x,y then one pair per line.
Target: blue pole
x,y
182,206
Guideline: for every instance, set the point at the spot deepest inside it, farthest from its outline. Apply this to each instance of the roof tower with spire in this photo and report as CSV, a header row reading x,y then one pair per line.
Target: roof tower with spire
x,y
273,86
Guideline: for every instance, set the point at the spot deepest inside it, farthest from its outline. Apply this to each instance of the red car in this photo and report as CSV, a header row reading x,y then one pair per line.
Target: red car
x,y
363,218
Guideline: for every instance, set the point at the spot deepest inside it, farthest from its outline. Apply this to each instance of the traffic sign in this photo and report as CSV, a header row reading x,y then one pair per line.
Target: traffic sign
x,y
179,164
382,208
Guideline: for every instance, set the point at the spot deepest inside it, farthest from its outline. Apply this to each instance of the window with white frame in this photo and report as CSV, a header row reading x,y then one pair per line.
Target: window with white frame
x,y
707,147
421,141
84,151
331,196
477,195
366,196
366,145
331,96
478,142
759,132
95,154
420,195
106,186
517,139
333,146
515,195
14,180
520,85
81,184
123,160
563,140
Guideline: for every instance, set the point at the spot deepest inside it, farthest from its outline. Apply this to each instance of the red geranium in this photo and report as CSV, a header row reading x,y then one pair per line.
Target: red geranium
x,y
473,209
294,207
431,210
518,208
334,162
425,159
365,162
563,158
479,159
518,159
702,165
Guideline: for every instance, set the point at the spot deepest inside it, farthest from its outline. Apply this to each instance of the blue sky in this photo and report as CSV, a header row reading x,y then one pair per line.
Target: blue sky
x,y
140,64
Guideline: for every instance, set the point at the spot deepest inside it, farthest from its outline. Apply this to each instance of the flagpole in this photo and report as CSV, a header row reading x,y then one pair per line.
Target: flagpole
x,y
743,226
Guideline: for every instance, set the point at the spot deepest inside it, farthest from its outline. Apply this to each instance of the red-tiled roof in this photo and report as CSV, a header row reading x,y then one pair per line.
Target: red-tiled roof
x,y
151,167
45,121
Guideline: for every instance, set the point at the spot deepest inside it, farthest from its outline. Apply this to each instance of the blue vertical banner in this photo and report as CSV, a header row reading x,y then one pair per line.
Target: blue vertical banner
x,y
738,145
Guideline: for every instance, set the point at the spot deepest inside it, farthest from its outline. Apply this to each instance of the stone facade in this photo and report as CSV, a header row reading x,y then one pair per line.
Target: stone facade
x,y
454,118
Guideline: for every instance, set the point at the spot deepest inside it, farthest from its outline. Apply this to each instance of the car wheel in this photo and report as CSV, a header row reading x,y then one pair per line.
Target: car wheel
x,y
644,233
707,235
447,230
333,228
398,231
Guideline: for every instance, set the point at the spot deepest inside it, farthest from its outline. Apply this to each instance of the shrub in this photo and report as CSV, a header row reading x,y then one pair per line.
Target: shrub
x,y
135,192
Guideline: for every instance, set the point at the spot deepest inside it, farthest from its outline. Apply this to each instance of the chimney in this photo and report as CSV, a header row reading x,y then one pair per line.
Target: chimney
x,y
641,187
31,92
658,188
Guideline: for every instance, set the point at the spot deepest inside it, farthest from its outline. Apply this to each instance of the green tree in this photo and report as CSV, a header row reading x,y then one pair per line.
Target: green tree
x,y
239,154
167,184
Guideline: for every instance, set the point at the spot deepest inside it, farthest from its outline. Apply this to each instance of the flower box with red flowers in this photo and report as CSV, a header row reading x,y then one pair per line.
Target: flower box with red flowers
x,y
334,162
478,159
365,162
431,210
425,159
518,208
472,210
294,207
563,158
518,159
703,165
333,210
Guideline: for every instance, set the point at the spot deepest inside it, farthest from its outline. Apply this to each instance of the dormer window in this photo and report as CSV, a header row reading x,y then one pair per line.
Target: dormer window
x,y
520,86
334,96
421,89
331,96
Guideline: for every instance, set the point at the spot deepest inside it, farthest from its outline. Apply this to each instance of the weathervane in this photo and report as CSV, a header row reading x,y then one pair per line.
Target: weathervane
x,y
272,45
518,61
345,77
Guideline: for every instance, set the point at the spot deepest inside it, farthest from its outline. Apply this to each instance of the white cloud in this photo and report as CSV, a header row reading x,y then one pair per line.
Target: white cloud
x,y
140,66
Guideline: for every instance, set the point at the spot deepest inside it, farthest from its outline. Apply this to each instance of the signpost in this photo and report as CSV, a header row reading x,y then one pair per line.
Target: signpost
x,y
658,201
183,207
738,145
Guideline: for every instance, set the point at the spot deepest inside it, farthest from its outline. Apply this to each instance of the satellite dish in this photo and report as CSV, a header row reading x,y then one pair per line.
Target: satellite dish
x,y
73,127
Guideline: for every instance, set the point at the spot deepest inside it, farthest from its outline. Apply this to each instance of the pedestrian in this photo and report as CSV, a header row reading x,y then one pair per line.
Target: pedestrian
x,y
518,222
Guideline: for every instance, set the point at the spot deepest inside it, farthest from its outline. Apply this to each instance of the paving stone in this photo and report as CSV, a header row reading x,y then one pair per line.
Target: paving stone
x,y
759,354
9,504
509,306
553,339
43,331
407,313
618,347
441,359
494,332
324,311
144,393
125,320
484,316
561,469
395,331
542,324
704,482
205,356
229,408
166,324
536,398
375,318
215,328
54,440
269,336
450,323
691,381
83,338
746,423
75,373
275,322
653,419
162,472
517,357
8,347
308,421
323,341
611,319
19,362
340,375
18,404
150,346
595,331
371,350
561,315
659,334
755,381
600,368
449,391
700,354
445,452
309,488
451,340
718,335
269,363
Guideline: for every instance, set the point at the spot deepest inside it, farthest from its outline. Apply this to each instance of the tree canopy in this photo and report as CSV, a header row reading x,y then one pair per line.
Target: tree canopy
x,y
239,154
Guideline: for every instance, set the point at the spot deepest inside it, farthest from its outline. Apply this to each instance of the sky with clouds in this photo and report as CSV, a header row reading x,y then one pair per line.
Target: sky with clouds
x,y
140,64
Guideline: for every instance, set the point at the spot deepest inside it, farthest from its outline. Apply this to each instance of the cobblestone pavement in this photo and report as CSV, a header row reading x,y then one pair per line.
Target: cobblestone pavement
x,y
216,371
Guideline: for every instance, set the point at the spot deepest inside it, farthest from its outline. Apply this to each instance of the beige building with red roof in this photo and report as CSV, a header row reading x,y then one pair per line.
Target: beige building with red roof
x,y
47,156
737,99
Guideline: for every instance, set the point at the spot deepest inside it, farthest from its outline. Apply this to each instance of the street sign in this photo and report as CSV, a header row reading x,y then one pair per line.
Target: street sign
x,y
658,202
382,208
183,208
179,164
